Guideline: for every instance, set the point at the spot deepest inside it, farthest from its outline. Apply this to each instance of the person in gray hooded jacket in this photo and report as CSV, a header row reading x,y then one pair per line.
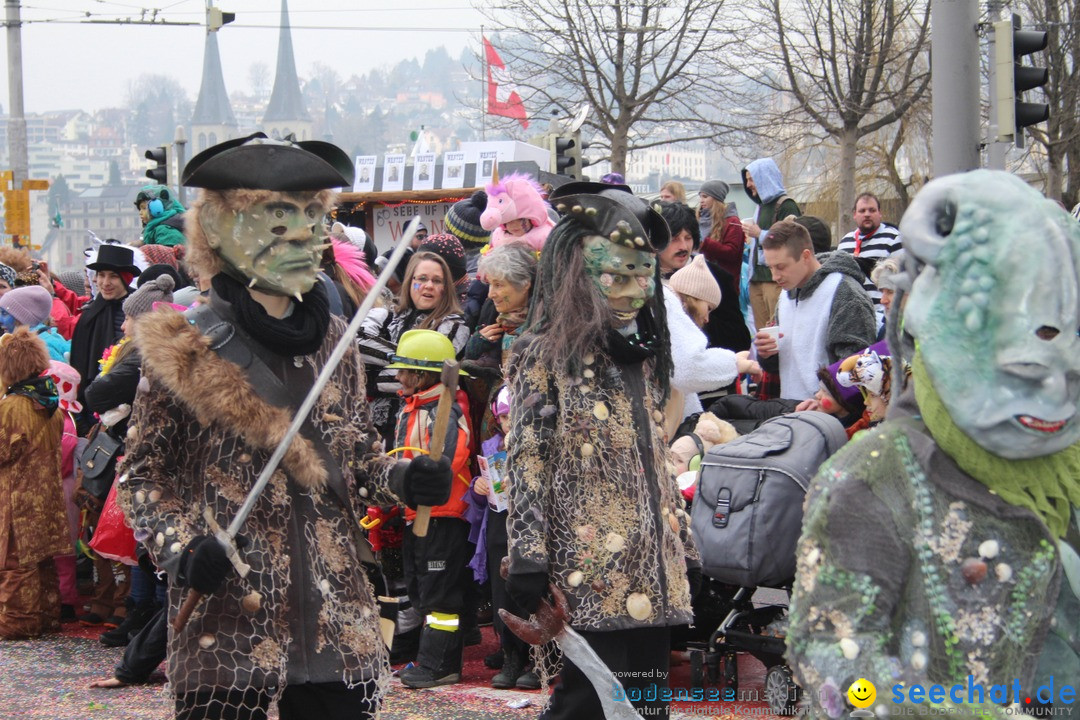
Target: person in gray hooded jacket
x,y
824,314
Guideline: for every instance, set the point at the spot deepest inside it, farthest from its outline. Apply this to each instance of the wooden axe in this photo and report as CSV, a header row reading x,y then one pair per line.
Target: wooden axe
x,y
438,436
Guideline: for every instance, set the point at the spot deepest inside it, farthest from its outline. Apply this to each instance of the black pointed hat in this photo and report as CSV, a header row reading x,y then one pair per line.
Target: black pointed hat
x,y
257,162
613,212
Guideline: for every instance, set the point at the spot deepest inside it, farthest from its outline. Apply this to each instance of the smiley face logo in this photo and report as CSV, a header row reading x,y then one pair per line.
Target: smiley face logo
x,y
862,693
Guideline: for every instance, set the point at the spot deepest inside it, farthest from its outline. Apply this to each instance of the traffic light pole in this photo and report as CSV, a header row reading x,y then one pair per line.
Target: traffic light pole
x,y
16,118
995,150
954,69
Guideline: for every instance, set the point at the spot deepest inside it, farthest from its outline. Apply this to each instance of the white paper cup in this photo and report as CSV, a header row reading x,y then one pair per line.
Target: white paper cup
x,y
773,331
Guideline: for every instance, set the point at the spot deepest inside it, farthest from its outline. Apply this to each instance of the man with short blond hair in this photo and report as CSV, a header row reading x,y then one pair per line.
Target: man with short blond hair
x,y
823,312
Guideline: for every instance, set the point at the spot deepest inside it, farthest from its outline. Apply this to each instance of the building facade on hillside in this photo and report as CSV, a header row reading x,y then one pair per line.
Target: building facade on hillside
x,y
105,211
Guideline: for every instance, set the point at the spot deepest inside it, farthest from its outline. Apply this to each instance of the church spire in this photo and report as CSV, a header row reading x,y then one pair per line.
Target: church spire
x,y
286,105
213,120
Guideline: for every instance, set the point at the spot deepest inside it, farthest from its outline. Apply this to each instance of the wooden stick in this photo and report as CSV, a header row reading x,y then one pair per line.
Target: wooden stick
x,y
190,602
438,436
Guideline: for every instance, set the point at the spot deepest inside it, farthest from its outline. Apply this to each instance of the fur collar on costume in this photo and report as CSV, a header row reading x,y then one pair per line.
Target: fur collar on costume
x,y
178,356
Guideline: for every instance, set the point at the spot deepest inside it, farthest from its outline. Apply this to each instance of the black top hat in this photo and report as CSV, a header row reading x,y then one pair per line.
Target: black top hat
x,y
614,212
116,258
256,162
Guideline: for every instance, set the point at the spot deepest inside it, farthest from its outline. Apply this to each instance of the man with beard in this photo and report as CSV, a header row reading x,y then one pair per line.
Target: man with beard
x,y
870,242
220,387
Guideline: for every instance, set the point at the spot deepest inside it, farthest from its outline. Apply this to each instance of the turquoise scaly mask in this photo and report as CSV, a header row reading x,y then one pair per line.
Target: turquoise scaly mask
x,y
996,310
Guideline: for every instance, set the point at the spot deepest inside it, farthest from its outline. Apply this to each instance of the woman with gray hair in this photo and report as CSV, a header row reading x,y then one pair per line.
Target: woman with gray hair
x,y
883,276
510,271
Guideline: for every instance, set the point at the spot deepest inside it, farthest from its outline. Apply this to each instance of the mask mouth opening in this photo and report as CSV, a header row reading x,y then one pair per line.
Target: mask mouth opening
x,y
1043,426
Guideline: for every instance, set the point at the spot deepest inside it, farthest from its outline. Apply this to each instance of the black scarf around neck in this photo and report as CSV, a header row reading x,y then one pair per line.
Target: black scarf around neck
x,y
301,333
40,389
635,348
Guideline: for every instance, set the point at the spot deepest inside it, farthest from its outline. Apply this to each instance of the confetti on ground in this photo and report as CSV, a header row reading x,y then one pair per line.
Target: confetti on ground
x,y
48,679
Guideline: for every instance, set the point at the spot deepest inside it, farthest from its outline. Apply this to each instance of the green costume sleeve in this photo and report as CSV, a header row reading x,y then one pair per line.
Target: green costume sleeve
x,y
856,558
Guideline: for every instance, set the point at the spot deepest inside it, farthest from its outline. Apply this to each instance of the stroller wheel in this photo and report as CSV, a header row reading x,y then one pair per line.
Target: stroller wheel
x,y
729,675
781,692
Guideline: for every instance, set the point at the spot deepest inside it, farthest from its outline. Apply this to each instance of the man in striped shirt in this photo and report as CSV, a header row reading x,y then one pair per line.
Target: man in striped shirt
x,y
870,242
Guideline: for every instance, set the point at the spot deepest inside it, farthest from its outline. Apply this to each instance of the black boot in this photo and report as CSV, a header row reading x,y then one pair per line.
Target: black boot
x,y
513,666
438,662
136,618
406,644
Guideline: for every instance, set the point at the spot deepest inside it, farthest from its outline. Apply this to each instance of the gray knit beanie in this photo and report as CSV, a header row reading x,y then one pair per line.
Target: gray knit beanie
x,y
142,300
7,274
74,280
716,189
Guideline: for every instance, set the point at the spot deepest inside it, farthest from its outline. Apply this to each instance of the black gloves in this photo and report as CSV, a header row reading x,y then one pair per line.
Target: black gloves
x,y
204,565
527,589
693,575
427,482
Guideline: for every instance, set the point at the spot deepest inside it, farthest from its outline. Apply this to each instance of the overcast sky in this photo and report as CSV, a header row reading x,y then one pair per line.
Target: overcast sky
x,y
89,66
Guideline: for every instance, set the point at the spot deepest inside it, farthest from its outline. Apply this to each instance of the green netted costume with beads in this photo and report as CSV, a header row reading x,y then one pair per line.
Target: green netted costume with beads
x,y
911,571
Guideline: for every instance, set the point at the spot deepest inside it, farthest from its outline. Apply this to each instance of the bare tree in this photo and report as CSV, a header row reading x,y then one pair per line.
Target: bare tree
x,y
646,69
1060,137
840,69
259,79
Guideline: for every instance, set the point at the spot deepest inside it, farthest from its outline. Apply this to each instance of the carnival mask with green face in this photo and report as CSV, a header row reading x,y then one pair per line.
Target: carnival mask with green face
x,y
276,244
624,276
996,311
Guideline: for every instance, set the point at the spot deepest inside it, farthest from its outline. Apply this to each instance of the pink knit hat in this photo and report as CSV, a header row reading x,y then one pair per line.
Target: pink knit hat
x,y
695,280
29,305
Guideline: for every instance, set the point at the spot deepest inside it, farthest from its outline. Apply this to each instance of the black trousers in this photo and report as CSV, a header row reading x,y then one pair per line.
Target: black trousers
x,y
638,658
496,546
146,650
325,701
435,566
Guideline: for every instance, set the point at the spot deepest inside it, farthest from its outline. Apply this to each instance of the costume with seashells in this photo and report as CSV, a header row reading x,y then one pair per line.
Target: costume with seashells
x,y
940,548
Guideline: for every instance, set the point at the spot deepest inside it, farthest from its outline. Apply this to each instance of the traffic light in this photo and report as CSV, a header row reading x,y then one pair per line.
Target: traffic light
x,y
215,18
160,173
1011,45
566,155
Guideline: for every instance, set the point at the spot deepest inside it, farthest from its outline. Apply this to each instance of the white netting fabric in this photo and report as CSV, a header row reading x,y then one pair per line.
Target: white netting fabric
x,y
306,611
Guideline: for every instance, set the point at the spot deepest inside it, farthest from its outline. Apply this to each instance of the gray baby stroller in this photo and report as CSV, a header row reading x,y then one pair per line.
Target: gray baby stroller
x,y
746,517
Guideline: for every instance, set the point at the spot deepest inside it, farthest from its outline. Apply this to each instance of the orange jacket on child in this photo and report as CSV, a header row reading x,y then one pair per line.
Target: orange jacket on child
x,y
415,423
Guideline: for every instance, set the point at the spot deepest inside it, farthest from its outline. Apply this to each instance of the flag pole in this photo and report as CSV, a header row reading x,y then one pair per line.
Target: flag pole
x,y
484,81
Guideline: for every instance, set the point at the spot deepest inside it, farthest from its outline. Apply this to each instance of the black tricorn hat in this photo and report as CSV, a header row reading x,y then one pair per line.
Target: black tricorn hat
x,y
613,212
117,258
257,162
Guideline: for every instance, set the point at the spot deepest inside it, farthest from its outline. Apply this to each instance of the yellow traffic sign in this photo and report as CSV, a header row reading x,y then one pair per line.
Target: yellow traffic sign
x,y
36,185
17,212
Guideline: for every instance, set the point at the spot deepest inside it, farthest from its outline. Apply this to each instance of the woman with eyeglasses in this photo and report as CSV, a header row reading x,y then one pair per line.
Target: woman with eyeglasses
x,y
426,301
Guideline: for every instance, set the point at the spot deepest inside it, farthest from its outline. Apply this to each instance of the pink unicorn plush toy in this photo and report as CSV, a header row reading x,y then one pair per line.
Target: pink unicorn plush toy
x,y
516,197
